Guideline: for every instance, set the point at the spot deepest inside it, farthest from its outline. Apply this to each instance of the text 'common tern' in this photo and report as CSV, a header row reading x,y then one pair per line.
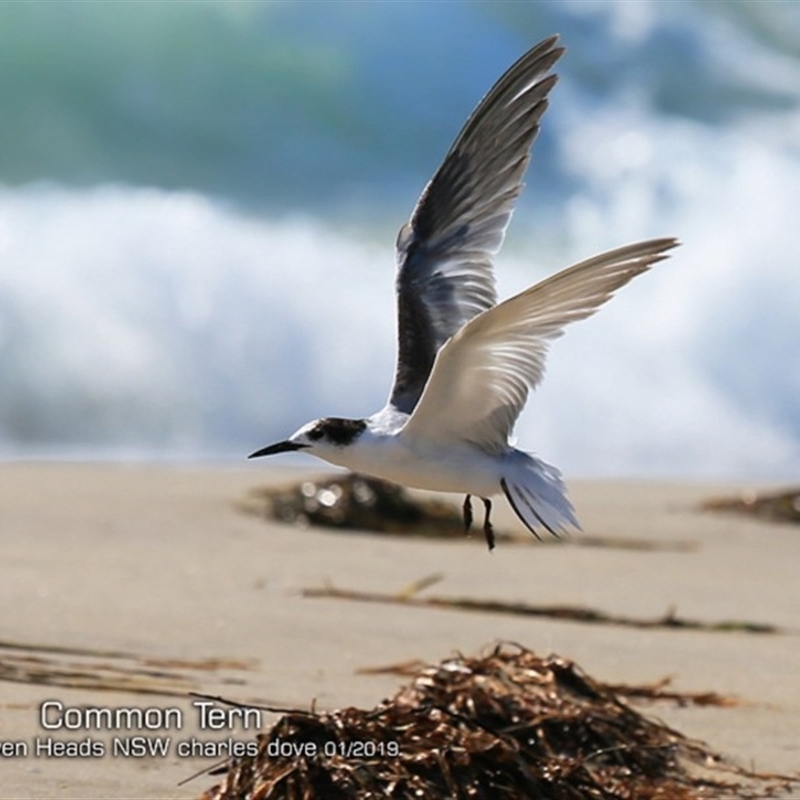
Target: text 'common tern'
x,y
465,363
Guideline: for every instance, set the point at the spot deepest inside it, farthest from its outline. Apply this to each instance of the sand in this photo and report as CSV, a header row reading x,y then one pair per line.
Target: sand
x,y
147,577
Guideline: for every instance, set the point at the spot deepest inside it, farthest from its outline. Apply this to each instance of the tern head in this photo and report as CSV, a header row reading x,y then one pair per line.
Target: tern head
x,y
320,437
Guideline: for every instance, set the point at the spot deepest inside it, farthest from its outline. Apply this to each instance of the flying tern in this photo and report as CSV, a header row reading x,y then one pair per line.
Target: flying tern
x,y
465,363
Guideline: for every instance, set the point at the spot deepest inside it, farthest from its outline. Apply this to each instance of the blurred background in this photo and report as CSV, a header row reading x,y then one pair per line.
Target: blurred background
x,y
199,201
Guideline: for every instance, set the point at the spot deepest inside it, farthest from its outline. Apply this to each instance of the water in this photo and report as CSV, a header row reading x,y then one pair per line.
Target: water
x,y
199,203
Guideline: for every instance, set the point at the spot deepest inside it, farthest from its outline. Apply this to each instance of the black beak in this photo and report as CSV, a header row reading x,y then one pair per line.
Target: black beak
x,y
280,447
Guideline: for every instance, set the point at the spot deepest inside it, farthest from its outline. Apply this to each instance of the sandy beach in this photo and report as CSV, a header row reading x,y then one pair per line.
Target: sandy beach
x,y
129,586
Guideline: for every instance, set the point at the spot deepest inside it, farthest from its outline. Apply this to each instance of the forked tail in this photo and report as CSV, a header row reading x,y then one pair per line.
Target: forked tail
x,y
537,494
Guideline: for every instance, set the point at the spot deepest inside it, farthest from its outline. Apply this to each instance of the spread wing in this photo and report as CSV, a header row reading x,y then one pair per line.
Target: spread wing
x,y
482,375
445,252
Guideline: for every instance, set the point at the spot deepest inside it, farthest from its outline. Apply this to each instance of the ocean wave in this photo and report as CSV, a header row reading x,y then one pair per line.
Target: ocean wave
x,y
145,321
143,318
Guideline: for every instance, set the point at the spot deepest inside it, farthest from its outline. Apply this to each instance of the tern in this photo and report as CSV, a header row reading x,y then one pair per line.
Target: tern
x,y
465,363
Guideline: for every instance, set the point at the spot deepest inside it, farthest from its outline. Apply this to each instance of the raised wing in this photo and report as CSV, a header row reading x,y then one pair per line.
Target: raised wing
x,y
481,377
445,252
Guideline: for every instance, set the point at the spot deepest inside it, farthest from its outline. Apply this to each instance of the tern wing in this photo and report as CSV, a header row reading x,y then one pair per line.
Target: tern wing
x,y
444,253
482,375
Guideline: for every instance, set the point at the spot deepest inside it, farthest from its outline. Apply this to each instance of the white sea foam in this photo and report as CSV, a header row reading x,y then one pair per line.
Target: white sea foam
x,y
142,317
704,357
164,323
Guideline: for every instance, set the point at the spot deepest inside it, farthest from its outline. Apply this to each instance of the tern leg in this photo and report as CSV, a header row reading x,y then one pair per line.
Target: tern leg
x,y
488,530
467,513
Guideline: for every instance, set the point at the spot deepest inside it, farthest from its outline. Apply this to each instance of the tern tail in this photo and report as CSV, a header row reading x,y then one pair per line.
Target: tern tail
x,y
537,494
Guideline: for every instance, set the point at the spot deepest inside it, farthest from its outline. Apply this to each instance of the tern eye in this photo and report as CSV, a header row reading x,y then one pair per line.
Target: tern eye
x,y
316,433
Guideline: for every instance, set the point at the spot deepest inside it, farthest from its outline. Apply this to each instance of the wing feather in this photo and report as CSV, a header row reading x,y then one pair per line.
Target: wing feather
x,y
444,253
481,377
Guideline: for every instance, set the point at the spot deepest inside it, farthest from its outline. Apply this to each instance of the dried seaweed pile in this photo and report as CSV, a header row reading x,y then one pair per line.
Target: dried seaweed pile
x,y
355,502
508,725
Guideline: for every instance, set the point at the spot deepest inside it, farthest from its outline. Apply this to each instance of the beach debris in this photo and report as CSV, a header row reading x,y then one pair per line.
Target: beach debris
x,y
508,725
660,691
560,612
781,506
355,502
645,692
112,670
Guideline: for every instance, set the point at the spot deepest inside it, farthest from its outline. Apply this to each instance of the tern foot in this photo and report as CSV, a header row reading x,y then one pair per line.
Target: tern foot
x,y
488,530
467,513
